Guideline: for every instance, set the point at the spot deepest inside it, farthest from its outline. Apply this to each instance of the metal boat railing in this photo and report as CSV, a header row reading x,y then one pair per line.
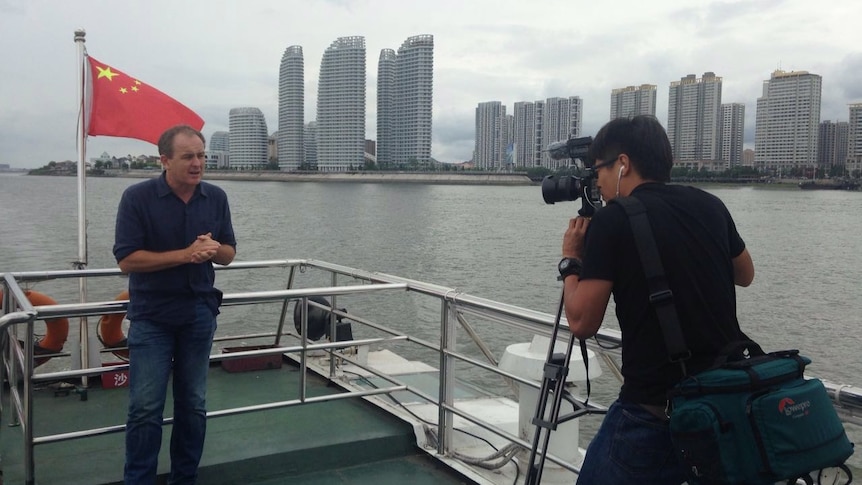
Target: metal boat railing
x,y
18,357
455,307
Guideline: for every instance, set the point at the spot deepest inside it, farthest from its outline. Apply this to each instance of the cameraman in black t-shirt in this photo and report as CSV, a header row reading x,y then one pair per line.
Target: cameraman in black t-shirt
x,y
703,258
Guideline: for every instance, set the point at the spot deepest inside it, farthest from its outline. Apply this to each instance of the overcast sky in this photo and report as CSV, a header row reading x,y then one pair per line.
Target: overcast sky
x,y
215,55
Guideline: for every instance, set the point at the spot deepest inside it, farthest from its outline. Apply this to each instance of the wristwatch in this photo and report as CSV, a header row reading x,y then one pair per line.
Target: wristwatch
x,y
569,266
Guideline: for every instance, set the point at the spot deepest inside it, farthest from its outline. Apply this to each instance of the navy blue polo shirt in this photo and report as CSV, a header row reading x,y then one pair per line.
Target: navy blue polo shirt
x,y
152,218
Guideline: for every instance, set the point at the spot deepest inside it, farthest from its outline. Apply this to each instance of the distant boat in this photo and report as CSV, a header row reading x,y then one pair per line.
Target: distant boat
x,y
829,185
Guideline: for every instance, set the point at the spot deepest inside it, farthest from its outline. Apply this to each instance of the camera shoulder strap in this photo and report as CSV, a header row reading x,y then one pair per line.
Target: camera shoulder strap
x,y
660,295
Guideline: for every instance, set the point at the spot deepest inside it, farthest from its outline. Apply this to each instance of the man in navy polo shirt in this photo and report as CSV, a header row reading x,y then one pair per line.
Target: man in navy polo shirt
x,y
169,231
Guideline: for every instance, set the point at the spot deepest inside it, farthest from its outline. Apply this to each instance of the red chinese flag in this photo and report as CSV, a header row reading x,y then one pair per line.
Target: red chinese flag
x,y
123,106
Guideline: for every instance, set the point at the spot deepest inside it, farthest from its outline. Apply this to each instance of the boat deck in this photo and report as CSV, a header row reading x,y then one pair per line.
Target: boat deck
x,y
333,442
425,389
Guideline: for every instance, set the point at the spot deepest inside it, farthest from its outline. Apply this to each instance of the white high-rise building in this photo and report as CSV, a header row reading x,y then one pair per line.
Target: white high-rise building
x,y
854,140
341,106
521,139
291,108
842,142
309,143
404,102
272,149
218,150
248,139
217,160
632,101
489,153
748,158
414,89
219,141
693,112
508,142
526,134
562,119
529,119
788,119
731,134
386,148
832,143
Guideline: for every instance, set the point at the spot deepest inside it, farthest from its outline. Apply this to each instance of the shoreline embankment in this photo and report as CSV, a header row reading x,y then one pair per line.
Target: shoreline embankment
x,y
353,177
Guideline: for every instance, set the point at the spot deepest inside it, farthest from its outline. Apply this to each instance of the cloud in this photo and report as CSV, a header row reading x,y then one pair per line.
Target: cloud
x,y
722,18
42,132
453,138
227,55
845,78
13,8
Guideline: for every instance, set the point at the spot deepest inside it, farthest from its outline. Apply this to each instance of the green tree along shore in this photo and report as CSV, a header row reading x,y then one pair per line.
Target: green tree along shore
x,y
536,174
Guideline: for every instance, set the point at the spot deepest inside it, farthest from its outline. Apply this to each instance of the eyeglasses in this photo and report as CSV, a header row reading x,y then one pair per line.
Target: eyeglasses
x,y
608,163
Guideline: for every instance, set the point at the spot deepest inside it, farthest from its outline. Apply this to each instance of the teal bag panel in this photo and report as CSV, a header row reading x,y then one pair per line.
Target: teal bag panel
x,y
702,440
748,374
710,440
800,429
756,421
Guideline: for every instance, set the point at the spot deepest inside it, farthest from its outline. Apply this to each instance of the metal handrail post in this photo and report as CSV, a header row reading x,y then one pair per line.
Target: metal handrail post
x,y
14,293
281,319
284,306
10,359
303,357
27,423
445,420
6,303
333,334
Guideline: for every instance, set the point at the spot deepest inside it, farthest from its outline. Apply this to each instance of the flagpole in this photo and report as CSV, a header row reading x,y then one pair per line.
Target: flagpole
x,y
82,262
82,153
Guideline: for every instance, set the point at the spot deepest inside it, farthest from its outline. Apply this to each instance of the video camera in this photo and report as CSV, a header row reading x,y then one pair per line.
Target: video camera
x,y
569,187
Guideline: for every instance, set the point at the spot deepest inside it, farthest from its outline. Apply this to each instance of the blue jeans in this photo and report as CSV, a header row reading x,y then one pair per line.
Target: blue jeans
x,y
632,447
154,348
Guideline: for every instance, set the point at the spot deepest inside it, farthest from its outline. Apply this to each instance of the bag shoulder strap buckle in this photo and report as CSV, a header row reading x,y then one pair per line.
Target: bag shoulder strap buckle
x,y
661,296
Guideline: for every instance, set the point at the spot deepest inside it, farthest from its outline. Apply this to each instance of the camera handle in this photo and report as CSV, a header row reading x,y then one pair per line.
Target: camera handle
x,y
588,202
553,391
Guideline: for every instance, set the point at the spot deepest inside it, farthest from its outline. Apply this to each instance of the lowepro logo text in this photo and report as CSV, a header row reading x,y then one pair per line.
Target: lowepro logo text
x,y
790,408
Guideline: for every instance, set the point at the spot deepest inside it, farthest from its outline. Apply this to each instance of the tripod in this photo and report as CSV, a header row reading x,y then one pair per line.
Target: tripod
x,y
552,393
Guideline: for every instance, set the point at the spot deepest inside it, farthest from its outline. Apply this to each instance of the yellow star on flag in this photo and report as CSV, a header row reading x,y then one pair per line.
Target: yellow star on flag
x,y
127,107
106,72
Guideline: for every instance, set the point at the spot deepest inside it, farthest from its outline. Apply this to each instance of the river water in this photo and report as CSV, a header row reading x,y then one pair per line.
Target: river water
x,y
501,243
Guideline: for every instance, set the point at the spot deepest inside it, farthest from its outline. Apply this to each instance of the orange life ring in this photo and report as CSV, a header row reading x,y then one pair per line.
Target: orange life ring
x,y
111,330
57,329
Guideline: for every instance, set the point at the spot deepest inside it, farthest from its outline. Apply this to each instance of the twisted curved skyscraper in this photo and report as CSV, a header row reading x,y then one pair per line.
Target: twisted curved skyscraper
x,y
405,84
291,109
341,106
386,108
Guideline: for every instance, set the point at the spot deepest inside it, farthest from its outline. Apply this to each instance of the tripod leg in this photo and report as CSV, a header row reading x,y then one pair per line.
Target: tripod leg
x,y
551,392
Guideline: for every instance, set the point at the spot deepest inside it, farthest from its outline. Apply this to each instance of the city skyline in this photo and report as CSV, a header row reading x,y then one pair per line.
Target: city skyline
x,y
291,109
483,51
697,118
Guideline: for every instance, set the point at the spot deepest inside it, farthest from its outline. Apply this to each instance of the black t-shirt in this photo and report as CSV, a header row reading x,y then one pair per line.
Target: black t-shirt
x,y
696,238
